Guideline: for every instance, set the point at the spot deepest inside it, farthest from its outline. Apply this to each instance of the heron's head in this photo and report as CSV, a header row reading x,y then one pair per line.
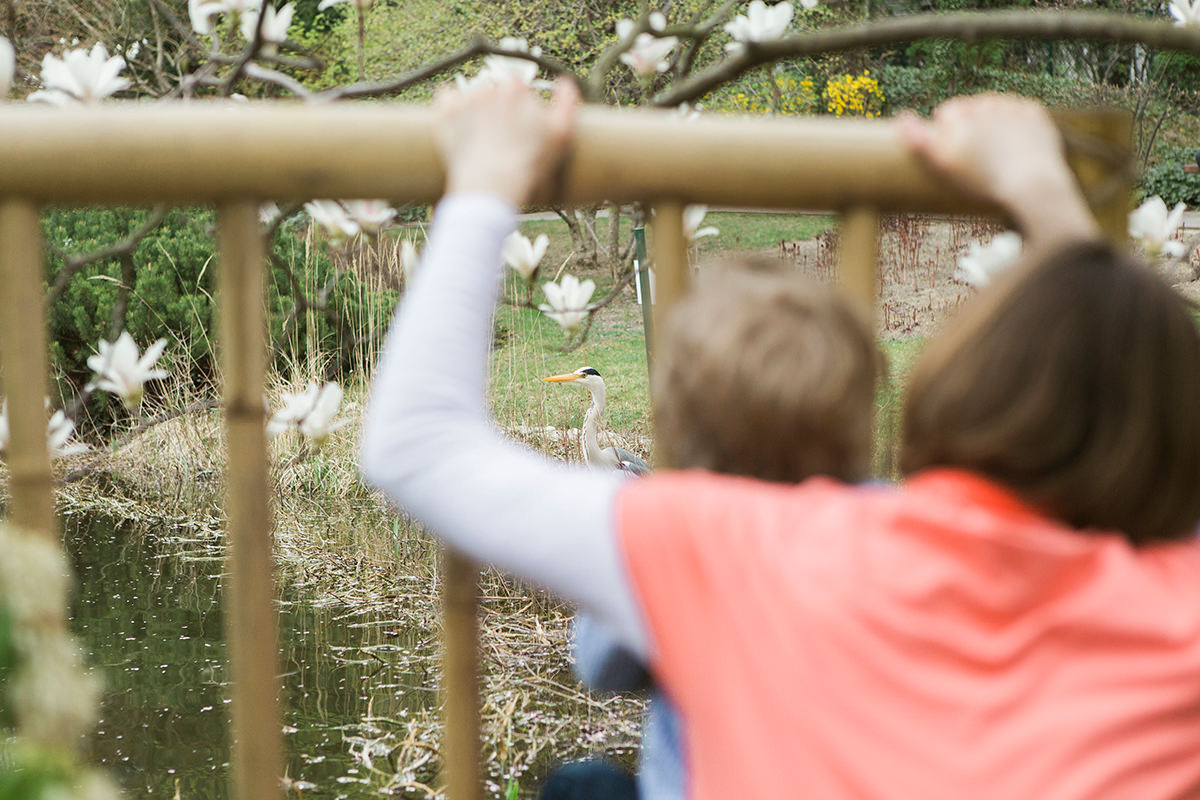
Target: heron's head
x,y
587,377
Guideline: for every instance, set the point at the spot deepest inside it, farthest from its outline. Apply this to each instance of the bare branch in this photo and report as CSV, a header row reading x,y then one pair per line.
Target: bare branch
x,y
279,79
965,27
405,80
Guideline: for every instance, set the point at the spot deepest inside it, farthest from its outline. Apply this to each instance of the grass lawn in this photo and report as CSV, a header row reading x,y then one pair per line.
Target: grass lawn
x,y
739,231
528,344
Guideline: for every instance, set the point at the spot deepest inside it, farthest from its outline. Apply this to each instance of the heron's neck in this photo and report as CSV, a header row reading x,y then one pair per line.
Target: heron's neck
x,y
591,424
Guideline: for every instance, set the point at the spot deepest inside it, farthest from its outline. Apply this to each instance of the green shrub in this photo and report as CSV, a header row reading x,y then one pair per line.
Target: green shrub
x,y
1168,180
173,289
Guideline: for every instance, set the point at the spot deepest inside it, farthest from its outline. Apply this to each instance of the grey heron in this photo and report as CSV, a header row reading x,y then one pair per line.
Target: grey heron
x,y
611,457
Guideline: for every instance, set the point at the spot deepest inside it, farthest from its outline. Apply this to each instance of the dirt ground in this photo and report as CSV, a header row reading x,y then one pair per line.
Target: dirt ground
x,y
917,264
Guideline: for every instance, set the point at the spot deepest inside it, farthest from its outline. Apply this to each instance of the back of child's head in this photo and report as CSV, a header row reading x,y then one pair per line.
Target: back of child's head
x,y
1076,382
763,373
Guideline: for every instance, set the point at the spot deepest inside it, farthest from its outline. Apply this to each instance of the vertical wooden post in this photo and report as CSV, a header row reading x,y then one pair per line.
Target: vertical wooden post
x,y
858,256
1104,167
671,272
250,613
26,376
460,677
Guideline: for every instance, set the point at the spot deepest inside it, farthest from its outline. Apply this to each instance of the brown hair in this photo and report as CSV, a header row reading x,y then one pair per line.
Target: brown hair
x,y
767,375
1076,382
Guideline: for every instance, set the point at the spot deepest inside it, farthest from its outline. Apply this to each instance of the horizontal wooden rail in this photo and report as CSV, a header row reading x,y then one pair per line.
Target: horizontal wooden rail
x,y
211,152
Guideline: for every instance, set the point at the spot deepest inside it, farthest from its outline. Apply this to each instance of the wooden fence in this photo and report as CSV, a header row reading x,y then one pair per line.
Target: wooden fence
x,y
237,156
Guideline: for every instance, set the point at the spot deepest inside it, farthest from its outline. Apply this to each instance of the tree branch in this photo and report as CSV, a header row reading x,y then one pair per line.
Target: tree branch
x,y
474,49
964,27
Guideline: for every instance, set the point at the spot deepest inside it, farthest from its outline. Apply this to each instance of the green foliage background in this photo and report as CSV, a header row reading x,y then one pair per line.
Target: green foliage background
x,y
173,293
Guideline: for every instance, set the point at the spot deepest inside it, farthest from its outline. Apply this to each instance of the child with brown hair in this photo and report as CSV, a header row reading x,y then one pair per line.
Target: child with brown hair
x,y
1020,619
759,373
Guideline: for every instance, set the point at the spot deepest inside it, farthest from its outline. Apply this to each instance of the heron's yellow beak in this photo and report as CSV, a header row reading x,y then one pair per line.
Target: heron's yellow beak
x,y
570,376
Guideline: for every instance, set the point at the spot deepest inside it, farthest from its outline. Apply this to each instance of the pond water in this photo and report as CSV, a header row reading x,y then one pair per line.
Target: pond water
x,y
148,615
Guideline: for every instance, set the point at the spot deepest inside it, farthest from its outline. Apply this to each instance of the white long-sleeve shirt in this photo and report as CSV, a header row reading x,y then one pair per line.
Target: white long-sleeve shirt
x,y
427,441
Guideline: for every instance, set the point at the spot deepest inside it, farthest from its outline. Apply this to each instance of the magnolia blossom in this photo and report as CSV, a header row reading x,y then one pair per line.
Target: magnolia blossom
x,y
363,5
201,13
522,255
80,76
370,215
336,222
58,433
120,371
648,54
8,66
58,436
1152,226
268,213
568,301
501,68
692,217
982,263
760,23
242,6
1186,12
409,259
687,112
311,412
275,24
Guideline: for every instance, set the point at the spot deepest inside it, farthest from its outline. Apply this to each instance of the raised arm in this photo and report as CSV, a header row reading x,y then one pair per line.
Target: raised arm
x,y
427,441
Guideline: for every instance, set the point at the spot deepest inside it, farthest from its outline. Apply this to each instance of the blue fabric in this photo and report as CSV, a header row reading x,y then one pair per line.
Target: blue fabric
x,y
589,780
603,664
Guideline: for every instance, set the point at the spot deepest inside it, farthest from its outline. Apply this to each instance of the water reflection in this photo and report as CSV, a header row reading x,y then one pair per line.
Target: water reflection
x,y
148,613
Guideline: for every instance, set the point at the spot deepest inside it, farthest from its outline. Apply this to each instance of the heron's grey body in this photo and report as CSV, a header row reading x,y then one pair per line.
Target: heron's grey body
x,y
593,453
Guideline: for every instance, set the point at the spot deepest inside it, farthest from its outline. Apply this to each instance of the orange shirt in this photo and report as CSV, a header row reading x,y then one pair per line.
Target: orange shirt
x,y
939,640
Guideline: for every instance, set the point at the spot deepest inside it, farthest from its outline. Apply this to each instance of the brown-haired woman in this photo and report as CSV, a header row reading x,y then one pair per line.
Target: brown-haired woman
x,y
960,636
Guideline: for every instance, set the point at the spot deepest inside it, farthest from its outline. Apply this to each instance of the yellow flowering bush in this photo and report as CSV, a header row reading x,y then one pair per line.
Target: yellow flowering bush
x,y
854,96
785,94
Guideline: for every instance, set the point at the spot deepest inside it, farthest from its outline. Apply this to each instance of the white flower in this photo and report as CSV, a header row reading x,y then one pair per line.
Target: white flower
x,y
982,262
121,372
371,215
80,76
687,112
311,412
1186,12
242,6
501,69
334,219
201,13
409,259
648,54
363,5
692,217
568,301
522,255
761,23
8,66
657,21
504,69
1151,226
58,433
274,27
58,436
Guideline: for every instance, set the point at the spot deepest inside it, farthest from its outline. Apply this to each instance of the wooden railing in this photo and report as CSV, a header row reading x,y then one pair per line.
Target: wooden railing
x,y
237,156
